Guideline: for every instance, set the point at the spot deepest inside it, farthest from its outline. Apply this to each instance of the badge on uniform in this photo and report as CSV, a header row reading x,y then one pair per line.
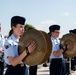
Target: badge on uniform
x,y
7,46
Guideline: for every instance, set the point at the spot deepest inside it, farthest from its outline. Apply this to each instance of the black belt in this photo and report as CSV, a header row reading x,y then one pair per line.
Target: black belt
x,y
57,59
21,65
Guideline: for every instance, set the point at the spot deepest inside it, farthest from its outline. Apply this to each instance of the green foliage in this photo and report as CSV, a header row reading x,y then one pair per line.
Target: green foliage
x,y
28,26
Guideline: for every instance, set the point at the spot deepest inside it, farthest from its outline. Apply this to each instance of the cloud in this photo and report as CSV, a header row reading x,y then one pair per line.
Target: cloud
x,y
47,22
66,14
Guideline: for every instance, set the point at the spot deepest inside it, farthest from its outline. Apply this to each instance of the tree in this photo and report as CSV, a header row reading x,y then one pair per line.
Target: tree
x,y
28,26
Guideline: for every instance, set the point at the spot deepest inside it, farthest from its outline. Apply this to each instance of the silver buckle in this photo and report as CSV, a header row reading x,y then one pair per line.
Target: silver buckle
x,y
22,65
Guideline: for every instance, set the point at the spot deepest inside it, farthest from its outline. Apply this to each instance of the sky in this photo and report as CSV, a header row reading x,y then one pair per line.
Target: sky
x,y
39,13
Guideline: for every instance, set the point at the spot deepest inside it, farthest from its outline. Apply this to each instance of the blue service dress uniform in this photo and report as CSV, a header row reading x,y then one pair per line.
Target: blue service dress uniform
x,y
57,65
11,49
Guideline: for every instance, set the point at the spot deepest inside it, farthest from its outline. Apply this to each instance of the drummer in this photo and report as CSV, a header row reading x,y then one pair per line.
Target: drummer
x,y
12,58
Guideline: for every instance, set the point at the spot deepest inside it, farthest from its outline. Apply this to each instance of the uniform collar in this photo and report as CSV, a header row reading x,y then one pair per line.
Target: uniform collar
x,y
13,37
53,38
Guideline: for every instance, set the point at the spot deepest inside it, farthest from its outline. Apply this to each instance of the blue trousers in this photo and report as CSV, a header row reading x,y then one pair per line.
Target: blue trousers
x,y
57,67
17,70
1,68
33,70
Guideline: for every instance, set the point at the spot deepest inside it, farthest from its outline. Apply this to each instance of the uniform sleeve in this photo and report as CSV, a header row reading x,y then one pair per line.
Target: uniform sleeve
x,y
55,46
8,50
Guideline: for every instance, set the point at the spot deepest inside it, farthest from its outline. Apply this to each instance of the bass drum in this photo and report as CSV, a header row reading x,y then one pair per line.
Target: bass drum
x,y
43,46
69,39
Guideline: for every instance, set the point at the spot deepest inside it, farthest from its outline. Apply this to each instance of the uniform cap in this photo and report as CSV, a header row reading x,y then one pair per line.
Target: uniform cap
x,y
54,27
73,31
18,20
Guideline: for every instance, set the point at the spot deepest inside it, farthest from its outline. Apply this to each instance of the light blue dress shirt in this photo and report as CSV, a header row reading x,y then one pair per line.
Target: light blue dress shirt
x,y
55,47
11,48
